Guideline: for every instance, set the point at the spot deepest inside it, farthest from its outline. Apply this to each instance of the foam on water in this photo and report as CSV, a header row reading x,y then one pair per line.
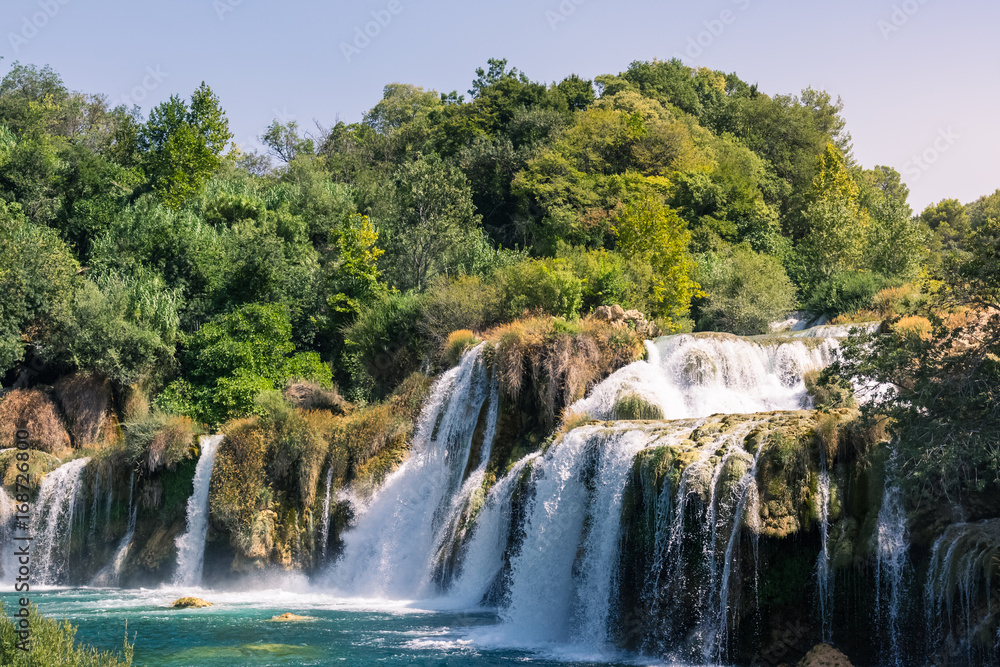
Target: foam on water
x,y
191,544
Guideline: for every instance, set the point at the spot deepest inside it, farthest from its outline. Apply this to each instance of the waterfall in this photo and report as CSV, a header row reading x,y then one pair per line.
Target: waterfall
x,y
688,587
892,547
325,530
110,574
746,496
959,602
701,375
7,564
544,543
391,551
449,539
483,559
824,576
191,544
576,511
52,522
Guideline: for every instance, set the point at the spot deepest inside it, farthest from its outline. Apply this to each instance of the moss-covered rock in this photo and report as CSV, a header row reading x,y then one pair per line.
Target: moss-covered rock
x,y
631,406
190,603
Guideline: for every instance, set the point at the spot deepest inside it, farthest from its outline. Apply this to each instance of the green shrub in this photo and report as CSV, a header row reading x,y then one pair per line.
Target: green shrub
x,y
53,644
633,407
548,286
384,346
235,357
160,440
845,292
604,275
468,302
745,292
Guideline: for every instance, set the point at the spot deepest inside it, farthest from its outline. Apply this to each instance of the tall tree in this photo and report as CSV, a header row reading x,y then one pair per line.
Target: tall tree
x,y
183,144
434,217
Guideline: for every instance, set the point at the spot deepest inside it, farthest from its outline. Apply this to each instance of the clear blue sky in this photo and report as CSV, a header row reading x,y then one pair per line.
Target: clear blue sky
x,y
906,84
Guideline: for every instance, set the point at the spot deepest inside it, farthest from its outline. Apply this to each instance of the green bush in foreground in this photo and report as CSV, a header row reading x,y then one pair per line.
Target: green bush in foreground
x,y
52,645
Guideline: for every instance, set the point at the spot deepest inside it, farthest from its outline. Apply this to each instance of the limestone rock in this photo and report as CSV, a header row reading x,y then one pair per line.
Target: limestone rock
x,y
621,318
190,603
824,655
290,617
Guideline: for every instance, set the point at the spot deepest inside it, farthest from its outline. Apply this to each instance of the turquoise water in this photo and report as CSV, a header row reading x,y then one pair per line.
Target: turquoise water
x,y
238,631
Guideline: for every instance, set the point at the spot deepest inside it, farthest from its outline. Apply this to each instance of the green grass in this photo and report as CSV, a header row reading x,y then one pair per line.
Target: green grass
x,y
53,644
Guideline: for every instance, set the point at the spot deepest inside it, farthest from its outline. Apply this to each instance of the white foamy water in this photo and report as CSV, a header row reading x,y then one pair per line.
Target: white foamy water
x,y
53,521
390,552
191,544
701,375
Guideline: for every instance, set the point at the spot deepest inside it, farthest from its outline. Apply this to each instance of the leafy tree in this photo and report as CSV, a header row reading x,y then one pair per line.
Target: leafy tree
x,y
284,141
37,283
948,225
401,104
939,398
183,144
984,209
433,219
233,358
744,292
834,224
895,244
649,231
578,93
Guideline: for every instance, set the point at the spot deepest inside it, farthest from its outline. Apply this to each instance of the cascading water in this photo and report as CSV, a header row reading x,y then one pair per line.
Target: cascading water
x,y
483,557
824,576
325,529
892,548
6,533
191,544
110,574
688,587
53,521
544,544
959,600
391,551
701,375
576,512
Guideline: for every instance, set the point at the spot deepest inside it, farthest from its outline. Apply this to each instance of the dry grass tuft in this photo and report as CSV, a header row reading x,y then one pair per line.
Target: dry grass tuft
x,y
559,360
39,464
913,327
311,396
458,342
86,401
33,410
857,317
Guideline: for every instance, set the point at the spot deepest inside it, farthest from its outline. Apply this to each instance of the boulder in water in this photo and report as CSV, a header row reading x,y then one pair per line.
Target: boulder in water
x,y
824,655
190,603
290,617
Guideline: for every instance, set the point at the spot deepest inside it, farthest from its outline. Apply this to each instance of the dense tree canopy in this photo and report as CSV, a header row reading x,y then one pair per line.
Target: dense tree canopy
x,y
153,252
